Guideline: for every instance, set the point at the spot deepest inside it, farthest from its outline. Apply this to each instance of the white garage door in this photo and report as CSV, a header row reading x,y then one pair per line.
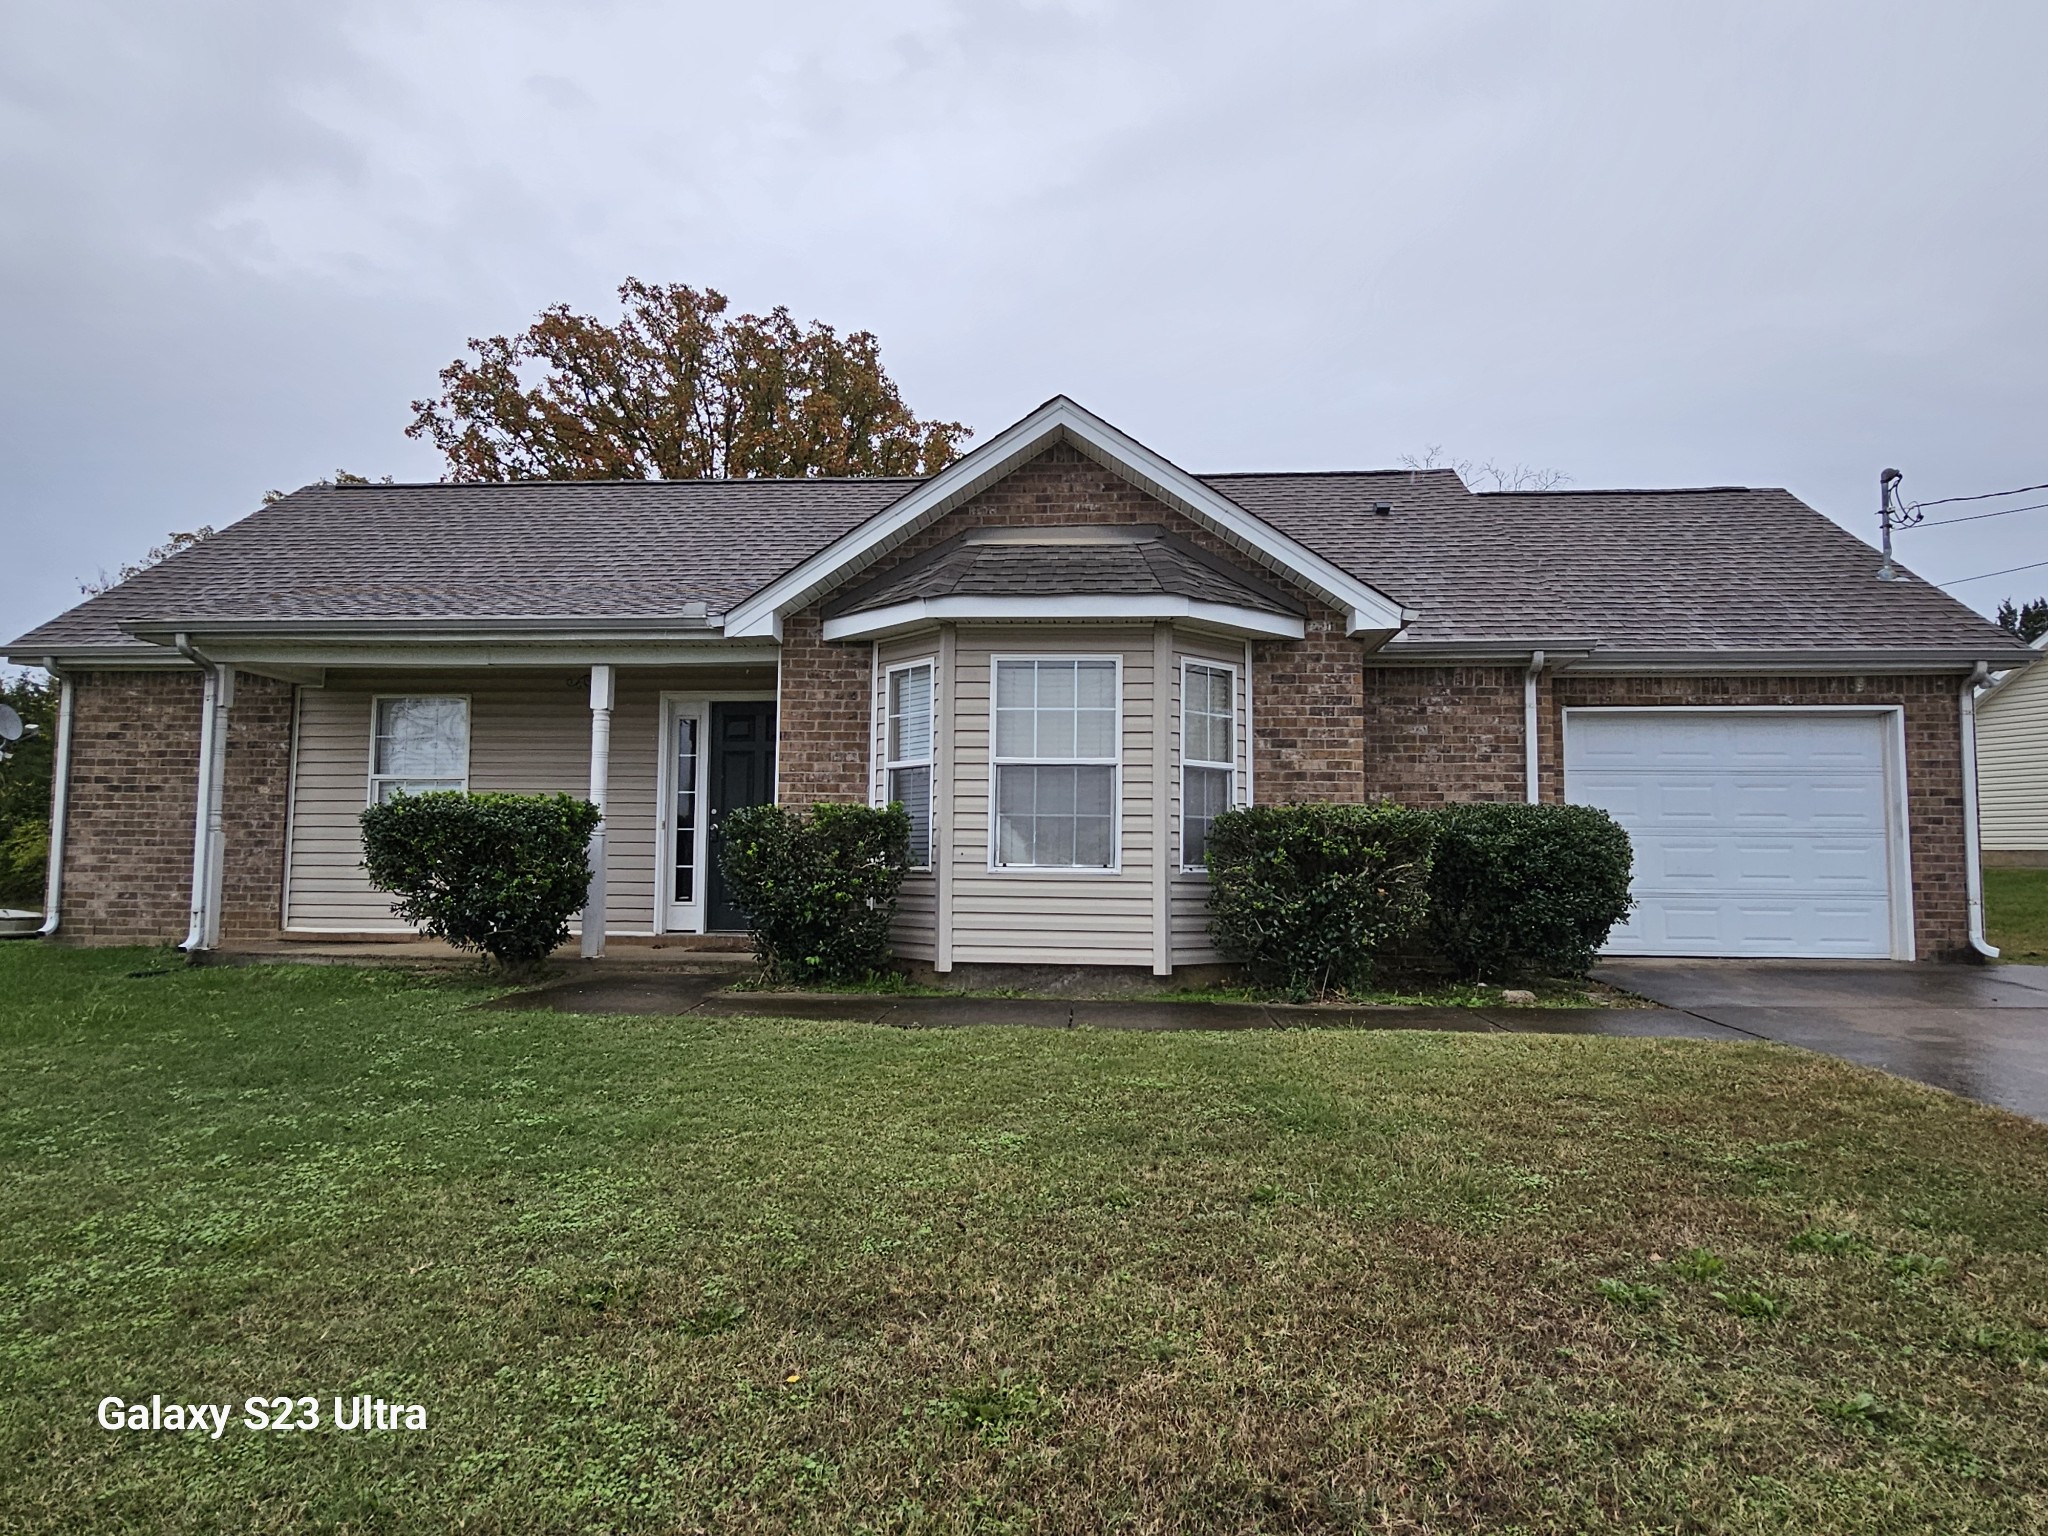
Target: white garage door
x,y
1755,834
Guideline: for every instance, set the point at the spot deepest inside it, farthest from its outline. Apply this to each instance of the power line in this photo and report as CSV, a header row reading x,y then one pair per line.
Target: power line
x,y
1985,496
2008,571
1978,517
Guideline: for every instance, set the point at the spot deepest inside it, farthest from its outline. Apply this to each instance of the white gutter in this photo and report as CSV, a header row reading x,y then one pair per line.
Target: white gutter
x,y
209,835
1529,737
1973,874
60,801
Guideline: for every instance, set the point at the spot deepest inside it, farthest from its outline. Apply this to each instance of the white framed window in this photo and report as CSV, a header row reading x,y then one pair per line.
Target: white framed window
x,y
907,752
1054,748
417,745
1208,754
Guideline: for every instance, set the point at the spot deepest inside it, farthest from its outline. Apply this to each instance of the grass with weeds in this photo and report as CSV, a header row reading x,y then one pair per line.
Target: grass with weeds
x,y
690,1274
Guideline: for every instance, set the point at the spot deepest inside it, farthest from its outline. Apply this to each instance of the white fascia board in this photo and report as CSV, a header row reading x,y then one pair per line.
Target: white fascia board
x,y
1366,609
274,658
879,623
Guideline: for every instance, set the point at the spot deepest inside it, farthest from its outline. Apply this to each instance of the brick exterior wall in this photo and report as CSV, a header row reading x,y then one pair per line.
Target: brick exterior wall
x,y
1934,766
259,767
821,716
1435,735
128,825
134,788
1308,695
1441,734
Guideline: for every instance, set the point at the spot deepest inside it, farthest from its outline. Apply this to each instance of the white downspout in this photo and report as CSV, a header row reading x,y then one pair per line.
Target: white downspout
x,y
60,801
600,786
209,835
1973,873
1530,740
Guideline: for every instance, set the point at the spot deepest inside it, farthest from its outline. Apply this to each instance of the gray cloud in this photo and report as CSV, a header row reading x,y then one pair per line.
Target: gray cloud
x,y
1780,245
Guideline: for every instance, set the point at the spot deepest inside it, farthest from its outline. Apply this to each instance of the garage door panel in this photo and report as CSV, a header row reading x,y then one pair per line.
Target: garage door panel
x,y
1763,834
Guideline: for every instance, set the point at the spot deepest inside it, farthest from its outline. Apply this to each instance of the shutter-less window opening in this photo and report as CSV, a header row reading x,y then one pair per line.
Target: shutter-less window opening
x,y
1208,755
1055,750
418,745
909,749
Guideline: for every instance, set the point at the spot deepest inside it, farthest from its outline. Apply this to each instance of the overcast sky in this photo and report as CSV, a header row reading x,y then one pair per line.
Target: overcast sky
x,y
1647,245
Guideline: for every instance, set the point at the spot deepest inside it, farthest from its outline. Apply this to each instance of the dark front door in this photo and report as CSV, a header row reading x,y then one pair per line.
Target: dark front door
x,y
742,773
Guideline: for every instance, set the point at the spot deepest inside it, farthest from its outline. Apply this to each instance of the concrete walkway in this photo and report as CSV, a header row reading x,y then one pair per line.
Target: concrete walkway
x,y
1977,1030
683,993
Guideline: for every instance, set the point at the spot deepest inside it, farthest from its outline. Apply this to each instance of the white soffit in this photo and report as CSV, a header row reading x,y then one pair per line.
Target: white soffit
x,y
1366,610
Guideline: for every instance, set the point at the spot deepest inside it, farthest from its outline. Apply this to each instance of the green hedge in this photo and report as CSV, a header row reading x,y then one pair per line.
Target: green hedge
x,y
819,890
1525,888
498,873
1304,896
1312,898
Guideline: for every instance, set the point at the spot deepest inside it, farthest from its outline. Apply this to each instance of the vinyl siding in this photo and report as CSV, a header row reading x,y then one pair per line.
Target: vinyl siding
x,y
2012,764
529,733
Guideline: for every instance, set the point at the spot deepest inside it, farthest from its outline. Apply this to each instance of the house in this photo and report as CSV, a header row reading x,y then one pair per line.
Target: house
x,y
1065,654
2012,764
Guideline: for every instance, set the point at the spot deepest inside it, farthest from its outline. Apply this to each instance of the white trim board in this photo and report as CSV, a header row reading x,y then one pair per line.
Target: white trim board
x,y
1060,420
900,618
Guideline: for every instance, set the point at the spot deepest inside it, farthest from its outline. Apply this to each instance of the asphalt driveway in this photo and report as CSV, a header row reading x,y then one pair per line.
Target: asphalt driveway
x,y
1977,1030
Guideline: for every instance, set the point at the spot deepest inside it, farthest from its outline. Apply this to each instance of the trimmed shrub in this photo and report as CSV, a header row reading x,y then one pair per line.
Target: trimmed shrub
x,y
1532,888
819,890
498,873
1303,896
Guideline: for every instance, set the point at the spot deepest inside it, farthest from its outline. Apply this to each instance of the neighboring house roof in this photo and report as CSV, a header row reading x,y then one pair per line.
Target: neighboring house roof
x,y
1997,687
1706,574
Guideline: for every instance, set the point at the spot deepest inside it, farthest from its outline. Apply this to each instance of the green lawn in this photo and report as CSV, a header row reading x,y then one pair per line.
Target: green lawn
x,y
2016,913
651,1274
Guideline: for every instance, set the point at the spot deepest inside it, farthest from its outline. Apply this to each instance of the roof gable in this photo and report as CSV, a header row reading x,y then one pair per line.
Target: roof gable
x,y
1367,610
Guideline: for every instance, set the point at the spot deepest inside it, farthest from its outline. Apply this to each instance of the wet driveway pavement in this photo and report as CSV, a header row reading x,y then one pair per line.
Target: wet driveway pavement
x,y
1977,1030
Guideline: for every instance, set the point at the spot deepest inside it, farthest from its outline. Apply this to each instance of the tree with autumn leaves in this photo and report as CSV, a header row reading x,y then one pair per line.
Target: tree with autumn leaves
x,y
676,390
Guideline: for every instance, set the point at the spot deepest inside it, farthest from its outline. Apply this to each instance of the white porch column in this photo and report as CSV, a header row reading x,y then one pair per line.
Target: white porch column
x,y
209,834
600,783
1164,855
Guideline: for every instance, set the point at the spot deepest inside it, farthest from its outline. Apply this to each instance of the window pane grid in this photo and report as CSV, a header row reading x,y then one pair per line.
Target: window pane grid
x,y
1055,753
1208,773
907,731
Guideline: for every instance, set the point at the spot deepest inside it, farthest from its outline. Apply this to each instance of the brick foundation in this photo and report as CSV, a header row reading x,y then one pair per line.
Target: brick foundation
x,y
133,797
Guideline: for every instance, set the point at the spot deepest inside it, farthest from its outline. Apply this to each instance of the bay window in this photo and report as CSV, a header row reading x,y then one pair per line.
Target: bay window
x,y
1054,759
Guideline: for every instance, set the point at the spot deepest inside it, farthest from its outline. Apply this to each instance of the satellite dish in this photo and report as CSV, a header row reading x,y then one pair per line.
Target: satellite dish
x,y
10,724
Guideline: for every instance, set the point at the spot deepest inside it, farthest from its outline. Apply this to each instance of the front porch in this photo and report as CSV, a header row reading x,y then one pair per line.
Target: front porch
x,y
663,749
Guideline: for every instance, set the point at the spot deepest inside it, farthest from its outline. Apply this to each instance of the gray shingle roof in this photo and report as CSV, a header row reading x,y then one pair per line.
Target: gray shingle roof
x,y
1719,569
554,549
1704,571
1128,561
